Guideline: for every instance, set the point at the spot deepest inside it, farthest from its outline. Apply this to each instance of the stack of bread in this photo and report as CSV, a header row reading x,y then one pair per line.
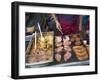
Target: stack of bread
x,y
67,48
79,48
81,52
62,48
58,48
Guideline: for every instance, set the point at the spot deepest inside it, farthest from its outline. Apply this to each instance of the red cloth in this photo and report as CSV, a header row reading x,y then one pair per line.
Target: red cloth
x,y
69,23
68,28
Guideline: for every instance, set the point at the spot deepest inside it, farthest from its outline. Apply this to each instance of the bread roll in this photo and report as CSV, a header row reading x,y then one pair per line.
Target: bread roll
x,y
58,57
58,44
58,39
80,52
59,49
67,56
83,57
67,48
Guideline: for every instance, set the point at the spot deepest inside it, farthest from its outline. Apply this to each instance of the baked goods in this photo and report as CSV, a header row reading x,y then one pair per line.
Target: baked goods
x,y
59,49
80,52
76,39
67,56
58,39
77,42
62,47
66,41
83,58
58,44
67,48
58,57
43,50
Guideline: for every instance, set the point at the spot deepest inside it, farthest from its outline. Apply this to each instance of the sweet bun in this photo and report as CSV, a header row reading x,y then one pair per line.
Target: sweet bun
x,y
58,57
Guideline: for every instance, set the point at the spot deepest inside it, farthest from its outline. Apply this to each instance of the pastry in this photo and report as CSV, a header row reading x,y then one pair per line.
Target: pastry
x,y
67,55
66,43
77,38
80,52
58,44
59,49
58,39
77,42
83,57
77,47
58,57
67,48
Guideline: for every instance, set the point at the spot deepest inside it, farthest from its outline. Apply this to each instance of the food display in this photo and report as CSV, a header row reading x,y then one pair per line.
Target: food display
x,y
51,40
79,48
62,46
56,49
40,48
69,46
